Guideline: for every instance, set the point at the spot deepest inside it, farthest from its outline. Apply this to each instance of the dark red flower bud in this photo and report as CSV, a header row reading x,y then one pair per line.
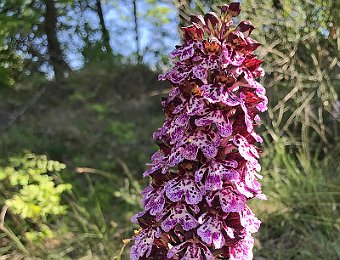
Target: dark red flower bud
x,y
251,45
236,37
245,27
234,9
192,33
224,8
197,19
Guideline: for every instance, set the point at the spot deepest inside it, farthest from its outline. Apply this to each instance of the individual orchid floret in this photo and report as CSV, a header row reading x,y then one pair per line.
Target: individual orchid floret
x,y
211,230
229,200
191,251
153,200
144,243
181,187
243,249
216,117
207,166
178,214
215,173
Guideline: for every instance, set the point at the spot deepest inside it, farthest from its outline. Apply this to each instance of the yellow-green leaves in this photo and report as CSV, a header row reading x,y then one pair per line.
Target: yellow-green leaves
x,y
31,191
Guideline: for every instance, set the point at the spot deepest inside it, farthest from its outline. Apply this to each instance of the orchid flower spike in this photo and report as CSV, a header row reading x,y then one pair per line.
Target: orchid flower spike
x,y
206,168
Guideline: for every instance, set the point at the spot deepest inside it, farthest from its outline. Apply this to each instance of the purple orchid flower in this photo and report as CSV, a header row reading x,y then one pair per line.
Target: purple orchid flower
x,y
206,168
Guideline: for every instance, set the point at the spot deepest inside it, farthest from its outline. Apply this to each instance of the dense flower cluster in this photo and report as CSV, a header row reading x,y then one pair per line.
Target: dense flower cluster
x,y
207,166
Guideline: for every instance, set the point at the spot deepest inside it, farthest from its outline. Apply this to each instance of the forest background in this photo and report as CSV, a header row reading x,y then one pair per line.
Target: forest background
x,y
79,100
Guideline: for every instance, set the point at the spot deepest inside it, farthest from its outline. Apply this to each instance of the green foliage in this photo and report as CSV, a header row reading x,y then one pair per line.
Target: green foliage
x,y
10,66
30,191
100,109
123,132
43,233
159,13
300,218
11,63
18,19
101,128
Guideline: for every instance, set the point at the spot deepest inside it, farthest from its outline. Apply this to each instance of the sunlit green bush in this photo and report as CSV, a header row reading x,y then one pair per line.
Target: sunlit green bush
x,y
30,192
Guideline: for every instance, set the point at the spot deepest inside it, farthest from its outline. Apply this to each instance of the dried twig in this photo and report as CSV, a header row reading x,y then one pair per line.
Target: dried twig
x,y
2,216
129,175
93,171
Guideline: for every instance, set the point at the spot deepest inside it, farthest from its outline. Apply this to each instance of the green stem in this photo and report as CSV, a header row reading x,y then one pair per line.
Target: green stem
x,y
14,238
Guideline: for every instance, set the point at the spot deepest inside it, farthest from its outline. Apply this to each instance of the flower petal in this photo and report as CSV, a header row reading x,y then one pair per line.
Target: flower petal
x,y
179,215
175,189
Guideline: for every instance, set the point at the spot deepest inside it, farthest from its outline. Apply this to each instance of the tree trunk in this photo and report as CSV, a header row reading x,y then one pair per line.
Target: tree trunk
x,y
54,48
135,19
105,32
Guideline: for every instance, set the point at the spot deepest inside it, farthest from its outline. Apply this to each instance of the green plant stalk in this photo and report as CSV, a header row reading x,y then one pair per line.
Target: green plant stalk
x,y
15,239
93,191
